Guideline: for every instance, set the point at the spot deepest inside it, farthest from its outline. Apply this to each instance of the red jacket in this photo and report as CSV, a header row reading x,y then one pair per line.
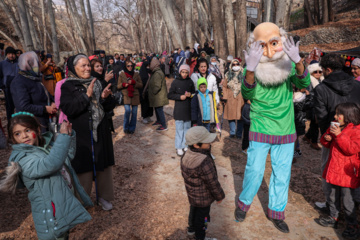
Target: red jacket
x,y
343,166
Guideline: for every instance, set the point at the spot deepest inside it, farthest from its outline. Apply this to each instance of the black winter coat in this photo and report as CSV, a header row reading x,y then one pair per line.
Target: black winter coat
x,y
30,96
75,104
338,87
182,109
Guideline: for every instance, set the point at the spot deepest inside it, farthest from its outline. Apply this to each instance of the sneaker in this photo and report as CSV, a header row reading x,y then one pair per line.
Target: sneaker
x,y
156,124
239,214
351,231
327,222
161,128
210,238
145,121
190,231
297,153
179,152
213,157
323,207
148,119
185,149
244,151
105,204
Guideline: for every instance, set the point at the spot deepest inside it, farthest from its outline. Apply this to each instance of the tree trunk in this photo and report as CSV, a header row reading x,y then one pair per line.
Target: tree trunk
x,y
11,17
283,12
230,29
331,10
268,10
241,28
171,23
203,20
188,21
42,4
317,17
307,14
325,9
260,11
33,33
216,8
25,26
55,43
91,24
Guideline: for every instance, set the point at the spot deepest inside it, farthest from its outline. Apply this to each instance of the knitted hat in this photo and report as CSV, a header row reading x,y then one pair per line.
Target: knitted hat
x,y
199,134
48,55
184,67
10,50
102,51
200,81
213,56
314,67
230,58
356,62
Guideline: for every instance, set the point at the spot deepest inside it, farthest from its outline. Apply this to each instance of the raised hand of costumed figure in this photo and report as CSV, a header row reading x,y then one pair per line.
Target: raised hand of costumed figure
x,y
292,49
252,58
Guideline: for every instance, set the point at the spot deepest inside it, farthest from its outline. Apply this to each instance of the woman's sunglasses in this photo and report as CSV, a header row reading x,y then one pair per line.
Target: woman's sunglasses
x,y
236,64
318,72
129,65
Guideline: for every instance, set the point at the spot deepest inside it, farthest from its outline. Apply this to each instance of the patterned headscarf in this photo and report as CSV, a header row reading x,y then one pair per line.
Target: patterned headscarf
x,y
29,64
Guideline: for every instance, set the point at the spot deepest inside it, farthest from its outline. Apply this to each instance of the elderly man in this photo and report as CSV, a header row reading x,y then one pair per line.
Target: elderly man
x,y
273,65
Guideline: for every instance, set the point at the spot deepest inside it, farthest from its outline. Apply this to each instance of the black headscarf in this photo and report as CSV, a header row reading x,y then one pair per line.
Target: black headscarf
x,y
129,72
70,64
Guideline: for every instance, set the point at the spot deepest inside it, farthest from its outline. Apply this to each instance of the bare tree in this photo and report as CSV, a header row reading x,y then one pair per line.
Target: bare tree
x,y
25,25
8,38
13,21
42,5
241,27
188,21
55,43
308,19
216,8
230,28
283,12
91,24
171,23
268,10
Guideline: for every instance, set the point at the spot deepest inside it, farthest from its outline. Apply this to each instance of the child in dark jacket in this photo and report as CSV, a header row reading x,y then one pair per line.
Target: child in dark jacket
x,y
181,91
343,167
201,181
203,106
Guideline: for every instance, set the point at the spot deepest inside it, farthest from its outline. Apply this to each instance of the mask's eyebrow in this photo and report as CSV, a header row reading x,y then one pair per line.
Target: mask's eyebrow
x,y
274,38
261,42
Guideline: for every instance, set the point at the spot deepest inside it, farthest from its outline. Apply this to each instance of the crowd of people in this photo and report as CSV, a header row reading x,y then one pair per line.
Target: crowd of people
x,y
68,119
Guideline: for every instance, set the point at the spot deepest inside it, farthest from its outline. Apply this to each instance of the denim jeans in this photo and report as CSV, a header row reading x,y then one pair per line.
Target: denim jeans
x,y
130,121
207,126
160,116
181,129
238,129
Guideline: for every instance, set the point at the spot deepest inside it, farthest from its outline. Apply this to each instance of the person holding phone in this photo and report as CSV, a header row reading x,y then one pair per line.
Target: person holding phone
x,y
129,83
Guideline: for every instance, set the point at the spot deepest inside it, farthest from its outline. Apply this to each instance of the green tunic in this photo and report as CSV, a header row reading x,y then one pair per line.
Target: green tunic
x,y
272,109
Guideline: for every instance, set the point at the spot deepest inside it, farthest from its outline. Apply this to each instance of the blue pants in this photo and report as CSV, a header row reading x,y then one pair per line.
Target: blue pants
x,y
130,121
160,116
281,161
238,129
181,129
207,126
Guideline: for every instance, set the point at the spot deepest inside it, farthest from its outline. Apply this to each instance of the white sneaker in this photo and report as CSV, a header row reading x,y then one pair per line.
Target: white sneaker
x,y
148,119
320,204
179,152
210,238
213,157
105,204
145,121
185,149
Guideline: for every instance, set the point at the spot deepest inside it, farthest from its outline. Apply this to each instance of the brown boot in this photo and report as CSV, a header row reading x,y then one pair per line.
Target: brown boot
x,y
315,146
305,139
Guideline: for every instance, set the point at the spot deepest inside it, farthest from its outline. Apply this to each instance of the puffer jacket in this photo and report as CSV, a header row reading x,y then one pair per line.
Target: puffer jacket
x,y
338,87
343,166
200,176
54,207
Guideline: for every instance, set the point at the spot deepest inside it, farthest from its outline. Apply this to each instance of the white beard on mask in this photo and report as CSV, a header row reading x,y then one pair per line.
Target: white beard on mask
x,y
273,71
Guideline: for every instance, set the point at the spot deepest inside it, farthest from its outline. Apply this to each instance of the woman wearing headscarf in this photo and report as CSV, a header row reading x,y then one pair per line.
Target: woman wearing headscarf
x,y
355,68
233,99
158,93
129,83
29,95
85,102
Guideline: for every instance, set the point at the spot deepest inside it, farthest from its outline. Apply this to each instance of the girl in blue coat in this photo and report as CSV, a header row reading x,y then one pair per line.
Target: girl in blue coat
x,y
44,168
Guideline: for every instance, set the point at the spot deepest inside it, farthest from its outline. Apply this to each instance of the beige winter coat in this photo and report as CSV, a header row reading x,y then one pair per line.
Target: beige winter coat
x,y
234,103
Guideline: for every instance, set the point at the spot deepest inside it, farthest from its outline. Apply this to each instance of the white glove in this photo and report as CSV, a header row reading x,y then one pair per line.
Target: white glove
x,y
253,58
292,50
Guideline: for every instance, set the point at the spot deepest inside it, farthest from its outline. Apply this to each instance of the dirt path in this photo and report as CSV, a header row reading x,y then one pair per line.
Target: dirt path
x,y
151,201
